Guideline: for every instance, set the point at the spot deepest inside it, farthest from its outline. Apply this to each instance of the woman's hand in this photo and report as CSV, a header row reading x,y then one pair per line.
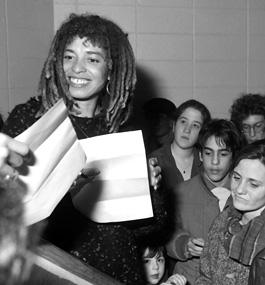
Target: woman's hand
x,y
195,246
154,173
87,175
13,154
175,279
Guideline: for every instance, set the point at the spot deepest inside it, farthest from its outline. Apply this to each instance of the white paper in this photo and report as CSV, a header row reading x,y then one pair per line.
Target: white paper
x,y
119,193
58,160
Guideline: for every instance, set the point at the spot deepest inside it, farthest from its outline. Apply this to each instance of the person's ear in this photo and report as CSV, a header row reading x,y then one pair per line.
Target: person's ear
x,y
173,124
200,155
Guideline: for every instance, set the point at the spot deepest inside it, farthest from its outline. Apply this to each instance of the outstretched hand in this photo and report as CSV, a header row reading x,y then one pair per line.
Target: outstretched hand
x,y
13,154
154,173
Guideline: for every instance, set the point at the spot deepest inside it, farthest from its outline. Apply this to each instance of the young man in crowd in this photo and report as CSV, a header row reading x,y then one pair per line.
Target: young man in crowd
x,y
200,199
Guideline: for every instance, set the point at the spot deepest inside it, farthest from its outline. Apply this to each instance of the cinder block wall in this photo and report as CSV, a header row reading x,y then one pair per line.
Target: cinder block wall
x,y
26,29
209,50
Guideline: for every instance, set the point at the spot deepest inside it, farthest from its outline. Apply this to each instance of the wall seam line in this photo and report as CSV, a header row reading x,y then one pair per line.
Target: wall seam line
x,y
7,57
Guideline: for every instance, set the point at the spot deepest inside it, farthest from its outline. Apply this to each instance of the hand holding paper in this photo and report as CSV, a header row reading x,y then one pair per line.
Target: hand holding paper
x,y
122,185
87,175
58,160
114,193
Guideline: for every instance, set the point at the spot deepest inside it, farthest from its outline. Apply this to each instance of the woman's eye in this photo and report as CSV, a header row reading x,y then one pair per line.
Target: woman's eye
x,y
68,57
195,126
235,177
93,60
161,260
182,121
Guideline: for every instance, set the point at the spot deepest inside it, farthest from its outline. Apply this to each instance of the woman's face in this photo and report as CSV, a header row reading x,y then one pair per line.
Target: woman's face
x,y
85,68
253,128
248,187
187,128
154,268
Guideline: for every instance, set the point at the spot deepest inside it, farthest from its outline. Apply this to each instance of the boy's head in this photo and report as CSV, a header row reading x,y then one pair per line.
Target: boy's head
x,y
154,263
218,142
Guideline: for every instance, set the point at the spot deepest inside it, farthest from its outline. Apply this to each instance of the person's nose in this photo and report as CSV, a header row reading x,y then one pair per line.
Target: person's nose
x,y
155,265
187,129
79,66
240,189
215,159
252,132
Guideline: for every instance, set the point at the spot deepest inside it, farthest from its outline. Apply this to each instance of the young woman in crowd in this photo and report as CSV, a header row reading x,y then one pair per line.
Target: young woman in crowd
x,y
90,66
237,235
179,159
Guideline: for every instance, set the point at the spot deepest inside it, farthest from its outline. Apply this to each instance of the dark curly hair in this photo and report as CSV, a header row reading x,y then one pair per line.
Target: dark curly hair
x,y
246,105
224,132
107,35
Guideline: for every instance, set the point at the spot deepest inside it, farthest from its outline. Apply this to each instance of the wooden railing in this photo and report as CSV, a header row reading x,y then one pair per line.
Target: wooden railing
x,y
54,266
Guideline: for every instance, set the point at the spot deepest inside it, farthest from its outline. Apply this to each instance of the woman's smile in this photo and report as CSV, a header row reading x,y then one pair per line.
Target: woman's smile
x,y
85,68
78,82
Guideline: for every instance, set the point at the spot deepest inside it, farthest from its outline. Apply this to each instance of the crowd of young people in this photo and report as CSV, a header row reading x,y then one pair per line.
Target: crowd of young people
x,y
91,67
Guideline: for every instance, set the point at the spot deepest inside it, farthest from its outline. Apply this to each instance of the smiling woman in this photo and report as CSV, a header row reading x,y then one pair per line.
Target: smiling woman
x,y
91,66
238,233
86,72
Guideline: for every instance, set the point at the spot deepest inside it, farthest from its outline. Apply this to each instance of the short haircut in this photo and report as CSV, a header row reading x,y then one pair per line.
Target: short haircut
x,y
224,132
255,150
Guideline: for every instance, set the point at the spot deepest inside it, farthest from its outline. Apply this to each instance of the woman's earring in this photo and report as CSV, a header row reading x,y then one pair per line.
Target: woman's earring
x,y
107,88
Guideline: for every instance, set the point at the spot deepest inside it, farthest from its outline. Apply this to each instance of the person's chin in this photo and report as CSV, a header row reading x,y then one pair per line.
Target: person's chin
x,y
215,178
253,139
154,279
185,144
239,202
239,206
77,94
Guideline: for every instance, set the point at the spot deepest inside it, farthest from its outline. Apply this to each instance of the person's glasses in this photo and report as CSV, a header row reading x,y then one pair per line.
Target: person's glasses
x,y
258,127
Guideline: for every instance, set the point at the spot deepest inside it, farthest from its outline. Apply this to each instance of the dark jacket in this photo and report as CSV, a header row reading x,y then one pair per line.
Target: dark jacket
x,y
169,171
195,209
257,270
